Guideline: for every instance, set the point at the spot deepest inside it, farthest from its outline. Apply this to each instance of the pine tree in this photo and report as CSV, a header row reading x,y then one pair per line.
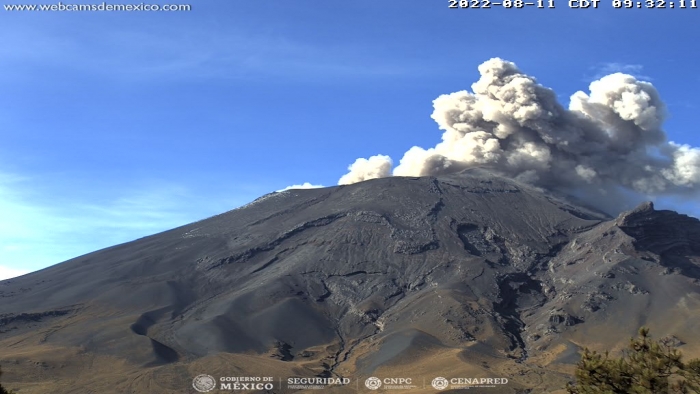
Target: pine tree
x,y
646,367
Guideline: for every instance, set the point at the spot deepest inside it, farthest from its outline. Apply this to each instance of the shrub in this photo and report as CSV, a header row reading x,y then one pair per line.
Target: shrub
x,y
646,367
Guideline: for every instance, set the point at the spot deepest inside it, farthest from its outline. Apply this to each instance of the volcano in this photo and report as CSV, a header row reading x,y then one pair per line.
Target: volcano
x,y
468,275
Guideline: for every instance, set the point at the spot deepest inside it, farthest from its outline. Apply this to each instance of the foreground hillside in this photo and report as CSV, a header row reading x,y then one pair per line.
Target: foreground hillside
x,y
466,275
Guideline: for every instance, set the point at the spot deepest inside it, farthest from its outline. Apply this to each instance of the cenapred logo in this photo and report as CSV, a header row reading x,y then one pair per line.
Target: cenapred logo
x,y
204,383
373,383
440,383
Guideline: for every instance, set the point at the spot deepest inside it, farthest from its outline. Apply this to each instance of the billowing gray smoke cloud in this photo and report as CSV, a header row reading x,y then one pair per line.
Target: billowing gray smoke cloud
x,y
608,143
378,166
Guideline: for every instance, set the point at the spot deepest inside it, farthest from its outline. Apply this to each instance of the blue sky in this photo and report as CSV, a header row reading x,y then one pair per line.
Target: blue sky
x,y
117,125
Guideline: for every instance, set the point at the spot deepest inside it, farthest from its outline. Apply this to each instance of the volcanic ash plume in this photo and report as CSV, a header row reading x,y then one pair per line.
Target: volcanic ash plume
x,y
378,166
608,141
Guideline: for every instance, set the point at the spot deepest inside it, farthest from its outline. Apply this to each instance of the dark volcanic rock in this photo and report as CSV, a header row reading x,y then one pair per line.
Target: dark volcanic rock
x,y
661,231
365,276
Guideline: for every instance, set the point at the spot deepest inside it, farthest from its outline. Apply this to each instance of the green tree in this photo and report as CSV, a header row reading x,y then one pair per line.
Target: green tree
x,y
646,367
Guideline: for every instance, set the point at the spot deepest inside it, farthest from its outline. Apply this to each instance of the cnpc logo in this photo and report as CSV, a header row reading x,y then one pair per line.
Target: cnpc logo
x,y
374,383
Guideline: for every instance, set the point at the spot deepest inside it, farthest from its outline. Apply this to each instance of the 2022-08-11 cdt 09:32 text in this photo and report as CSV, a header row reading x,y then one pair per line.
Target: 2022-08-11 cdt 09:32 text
x,y
584,4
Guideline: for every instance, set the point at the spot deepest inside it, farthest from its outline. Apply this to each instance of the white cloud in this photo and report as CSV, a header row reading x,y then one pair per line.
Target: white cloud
x,y
7,272
635,70
305,185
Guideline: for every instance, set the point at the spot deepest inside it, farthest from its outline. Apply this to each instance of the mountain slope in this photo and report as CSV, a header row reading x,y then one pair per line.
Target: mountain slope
x,y
466,273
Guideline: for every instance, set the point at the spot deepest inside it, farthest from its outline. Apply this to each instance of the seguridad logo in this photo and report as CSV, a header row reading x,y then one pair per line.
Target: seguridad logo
x,y
315,383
